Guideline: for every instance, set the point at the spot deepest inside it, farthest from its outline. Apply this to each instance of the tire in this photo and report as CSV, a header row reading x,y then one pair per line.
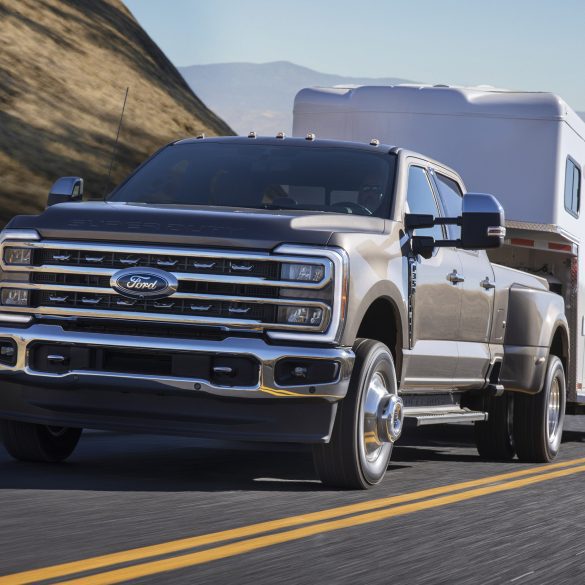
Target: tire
x,y
494,437
539,418
41,443
348,461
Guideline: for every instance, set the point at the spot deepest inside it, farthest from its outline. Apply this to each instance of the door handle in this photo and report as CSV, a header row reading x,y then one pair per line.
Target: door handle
x,y
454,277
487,284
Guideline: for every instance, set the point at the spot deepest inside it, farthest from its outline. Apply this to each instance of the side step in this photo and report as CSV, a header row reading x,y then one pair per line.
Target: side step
x,y
441,415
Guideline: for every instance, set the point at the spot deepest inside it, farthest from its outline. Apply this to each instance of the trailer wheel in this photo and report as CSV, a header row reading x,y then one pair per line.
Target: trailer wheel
x,y
539,418
41,443
368,420
494,437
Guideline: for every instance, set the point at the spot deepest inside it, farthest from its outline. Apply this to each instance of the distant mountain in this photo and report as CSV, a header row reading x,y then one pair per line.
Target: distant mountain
x,y
260,96
64,68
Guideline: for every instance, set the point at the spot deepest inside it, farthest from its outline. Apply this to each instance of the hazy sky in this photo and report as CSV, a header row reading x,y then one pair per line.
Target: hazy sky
x,y
517,44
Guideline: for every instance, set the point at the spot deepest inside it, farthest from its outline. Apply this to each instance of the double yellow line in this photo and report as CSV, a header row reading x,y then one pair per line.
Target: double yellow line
x,y
265,534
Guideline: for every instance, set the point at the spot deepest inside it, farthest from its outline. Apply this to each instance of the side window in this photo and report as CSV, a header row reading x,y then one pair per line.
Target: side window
x,y
451,197
572,188
420,199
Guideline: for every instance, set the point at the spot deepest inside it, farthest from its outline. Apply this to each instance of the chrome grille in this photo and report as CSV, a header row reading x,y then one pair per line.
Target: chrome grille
x,y
216,287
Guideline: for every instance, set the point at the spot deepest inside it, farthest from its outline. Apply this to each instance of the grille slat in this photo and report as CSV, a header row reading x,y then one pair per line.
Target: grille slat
x,y
176,263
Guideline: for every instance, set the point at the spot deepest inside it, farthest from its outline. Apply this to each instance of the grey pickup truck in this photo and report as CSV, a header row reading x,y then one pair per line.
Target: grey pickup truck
x,y
277,289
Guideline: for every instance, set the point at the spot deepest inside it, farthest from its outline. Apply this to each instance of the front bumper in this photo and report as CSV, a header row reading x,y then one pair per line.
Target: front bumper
x,y
175,405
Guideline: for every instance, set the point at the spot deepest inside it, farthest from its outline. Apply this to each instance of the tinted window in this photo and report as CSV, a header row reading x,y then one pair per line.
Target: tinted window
x,y
420,199
572,188
340,180
451,196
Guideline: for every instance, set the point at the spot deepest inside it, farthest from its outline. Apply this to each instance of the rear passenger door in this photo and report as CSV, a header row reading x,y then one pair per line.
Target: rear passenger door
x,y
435,302
477,292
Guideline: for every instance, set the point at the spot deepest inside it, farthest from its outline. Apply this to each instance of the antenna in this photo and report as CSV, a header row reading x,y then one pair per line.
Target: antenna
x,y
115,149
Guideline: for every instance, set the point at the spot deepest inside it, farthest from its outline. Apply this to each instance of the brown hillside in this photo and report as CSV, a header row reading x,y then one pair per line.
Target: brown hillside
x,y
64,68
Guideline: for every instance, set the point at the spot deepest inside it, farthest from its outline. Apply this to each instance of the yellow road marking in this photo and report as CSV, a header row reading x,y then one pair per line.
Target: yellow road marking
x,y
175,546
245,546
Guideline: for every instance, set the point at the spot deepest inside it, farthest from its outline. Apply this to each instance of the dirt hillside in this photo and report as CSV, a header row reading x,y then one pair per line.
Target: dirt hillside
x,y
64,69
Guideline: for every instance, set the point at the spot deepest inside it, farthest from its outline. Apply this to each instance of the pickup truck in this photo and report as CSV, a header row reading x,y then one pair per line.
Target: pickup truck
x,y
277,289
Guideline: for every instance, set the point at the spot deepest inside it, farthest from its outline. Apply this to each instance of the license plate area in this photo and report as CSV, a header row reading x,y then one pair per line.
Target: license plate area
x,y
218,369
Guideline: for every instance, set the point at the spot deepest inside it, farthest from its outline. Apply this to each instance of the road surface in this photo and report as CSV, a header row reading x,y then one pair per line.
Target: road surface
x,y
150,510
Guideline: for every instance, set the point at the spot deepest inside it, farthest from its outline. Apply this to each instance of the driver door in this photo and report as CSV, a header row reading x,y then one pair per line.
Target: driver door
x,y
435,298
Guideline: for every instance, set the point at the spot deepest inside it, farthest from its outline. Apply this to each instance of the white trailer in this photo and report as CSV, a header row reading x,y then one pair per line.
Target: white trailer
x,y
526,148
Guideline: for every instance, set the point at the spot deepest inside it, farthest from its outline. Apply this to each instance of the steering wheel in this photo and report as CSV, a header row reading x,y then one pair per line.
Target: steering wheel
x,y
353,207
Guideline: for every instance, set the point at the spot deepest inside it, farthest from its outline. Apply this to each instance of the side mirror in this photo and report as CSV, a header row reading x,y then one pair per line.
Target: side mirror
x,y
65,189
482,222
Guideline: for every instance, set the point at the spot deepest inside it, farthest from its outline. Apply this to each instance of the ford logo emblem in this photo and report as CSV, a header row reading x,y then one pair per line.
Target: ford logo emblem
x,y
144,283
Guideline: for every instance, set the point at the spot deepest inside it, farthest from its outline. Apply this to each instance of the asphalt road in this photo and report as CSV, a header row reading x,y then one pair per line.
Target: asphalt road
x,y
119,492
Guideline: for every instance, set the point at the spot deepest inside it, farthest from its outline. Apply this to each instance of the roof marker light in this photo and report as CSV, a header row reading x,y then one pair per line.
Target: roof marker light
x,y
374,142
280,135
200,136
252,134
310,136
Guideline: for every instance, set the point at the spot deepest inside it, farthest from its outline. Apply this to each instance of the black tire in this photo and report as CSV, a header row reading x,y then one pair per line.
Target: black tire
x,y
31,442
534,436
343,462
494,437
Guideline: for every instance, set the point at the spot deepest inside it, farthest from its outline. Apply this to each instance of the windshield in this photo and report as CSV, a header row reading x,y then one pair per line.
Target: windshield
x,y
264,177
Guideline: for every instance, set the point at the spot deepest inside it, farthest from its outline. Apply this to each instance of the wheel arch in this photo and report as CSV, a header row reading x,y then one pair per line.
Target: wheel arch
x,y
381,320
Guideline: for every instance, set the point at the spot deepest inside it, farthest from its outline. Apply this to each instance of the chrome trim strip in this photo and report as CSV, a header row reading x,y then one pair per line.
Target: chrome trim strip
x,y
181,276
266,354
15,318
249,324
170,251
98,290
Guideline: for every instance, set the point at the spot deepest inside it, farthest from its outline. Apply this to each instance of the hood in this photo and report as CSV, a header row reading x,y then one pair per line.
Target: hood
x,y
172,224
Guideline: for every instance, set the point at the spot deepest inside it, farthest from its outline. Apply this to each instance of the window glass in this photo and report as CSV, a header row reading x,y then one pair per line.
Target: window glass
x,y
420,199
264,176
452,199
572,188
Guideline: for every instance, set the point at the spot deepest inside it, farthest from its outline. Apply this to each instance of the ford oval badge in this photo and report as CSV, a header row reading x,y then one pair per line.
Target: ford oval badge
x,y
144,283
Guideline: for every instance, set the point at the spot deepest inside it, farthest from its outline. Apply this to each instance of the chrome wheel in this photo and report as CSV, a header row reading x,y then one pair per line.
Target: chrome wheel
x,y
553,411
375,394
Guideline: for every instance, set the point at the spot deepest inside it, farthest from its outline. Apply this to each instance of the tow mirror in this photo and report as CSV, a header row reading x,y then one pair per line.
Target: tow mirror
x,y
65,189
482,222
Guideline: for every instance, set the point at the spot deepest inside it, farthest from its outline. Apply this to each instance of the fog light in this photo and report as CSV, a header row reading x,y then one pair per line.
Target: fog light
x,y
302,372
7,352
18,256
15,297
300,315
303,272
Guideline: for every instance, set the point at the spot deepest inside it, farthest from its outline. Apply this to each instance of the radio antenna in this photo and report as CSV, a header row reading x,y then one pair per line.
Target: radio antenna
x,y
115,149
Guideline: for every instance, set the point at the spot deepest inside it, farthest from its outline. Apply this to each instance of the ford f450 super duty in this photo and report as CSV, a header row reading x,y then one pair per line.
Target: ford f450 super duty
x,y
277,289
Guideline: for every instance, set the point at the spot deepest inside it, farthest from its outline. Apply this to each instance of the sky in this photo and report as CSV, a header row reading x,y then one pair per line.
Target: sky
x,y
536,45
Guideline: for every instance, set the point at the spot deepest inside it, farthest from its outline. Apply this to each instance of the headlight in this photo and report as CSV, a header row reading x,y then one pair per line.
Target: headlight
x,y
18,256
303,272
311,316
15,297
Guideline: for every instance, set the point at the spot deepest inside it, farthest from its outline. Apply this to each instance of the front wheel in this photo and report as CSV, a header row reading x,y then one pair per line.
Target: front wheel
x,y
368,421
41,443
539,418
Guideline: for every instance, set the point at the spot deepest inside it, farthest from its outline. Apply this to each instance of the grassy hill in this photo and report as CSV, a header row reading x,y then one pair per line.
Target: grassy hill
x,y
64,68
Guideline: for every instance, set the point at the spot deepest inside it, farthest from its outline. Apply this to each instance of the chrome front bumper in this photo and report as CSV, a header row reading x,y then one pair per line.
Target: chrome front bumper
x,y
267,356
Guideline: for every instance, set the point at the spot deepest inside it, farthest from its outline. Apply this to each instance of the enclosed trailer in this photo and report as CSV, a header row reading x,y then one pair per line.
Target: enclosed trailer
x,y
526,148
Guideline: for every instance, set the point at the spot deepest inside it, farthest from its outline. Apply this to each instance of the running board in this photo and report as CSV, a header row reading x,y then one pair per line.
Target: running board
x,y
437,416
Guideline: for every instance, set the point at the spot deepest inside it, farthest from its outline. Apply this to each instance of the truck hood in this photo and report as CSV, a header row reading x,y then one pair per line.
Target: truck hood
x,y
172,224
